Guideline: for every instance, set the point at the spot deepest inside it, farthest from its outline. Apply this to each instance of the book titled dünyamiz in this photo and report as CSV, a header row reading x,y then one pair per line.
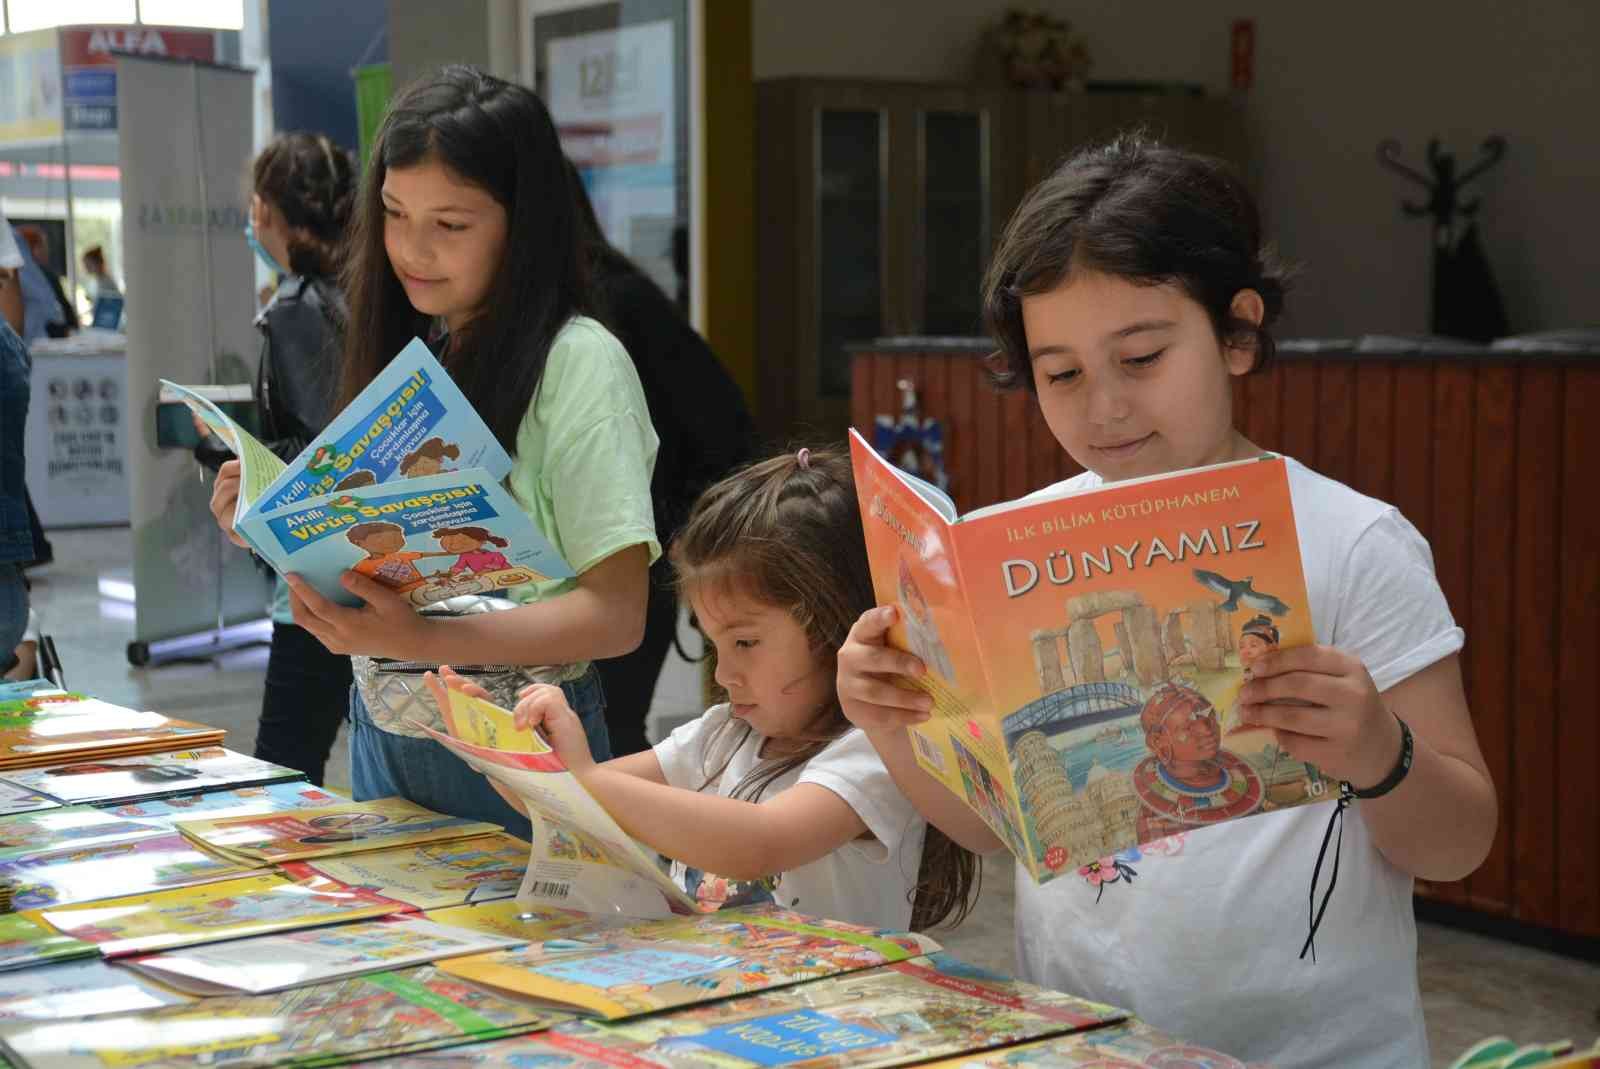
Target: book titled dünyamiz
x,y
1085,650
403,486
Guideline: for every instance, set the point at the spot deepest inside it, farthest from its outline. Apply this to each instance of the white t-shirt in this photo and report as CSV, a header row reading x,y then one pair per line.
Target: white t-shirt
x,y
868,881
1204,941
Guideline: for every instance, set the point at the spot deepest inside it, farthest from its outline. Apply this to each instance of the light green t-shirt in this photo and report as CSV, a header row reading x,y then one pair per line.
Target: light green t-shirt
x,y
585,454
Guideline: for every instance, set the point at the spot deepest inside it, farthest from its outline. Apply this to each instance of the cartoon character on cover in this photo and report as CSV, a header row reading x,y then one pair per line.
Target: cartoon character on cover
x,y
1258,636
321,461
1189,778
428,458
388,561
478,549
920,630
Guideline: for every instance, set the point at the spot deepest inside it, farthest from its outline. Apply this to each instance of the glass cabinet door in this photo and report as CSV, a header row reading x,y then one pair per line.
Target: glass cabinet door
x,y
955,221
850,225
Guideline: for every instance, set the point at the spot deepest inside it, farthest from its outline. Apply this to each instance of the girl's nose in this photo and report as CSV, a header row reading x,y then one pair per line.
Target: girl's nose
x,y
725,675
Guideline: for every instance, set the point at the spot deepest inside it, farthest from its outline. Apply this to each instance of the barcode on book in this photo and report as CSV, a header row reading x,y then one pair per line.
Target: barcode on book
x,y
550,889
930,754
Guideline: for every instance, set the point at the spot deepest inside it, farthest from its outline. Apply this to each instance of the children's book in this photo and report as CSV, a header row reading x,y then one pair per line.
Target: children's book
x,y
928,1007
230,909
433,875
15,799
403,486
113,780
265,963
521,922
580,859
21,688
680,961
325,1024
142,864
50,727
230,802
1085,651
1128,1045
78,989
346,828
25,941
69,828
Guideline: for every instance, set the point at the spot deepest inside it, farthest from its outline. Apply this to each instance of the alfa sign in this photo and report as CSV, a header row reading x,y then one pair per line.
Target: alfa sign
x,y
89,70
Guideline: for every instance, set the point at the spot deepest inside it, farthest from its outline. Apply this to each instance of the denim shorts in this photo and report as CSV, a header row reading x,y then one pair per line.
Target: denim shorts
x,y
383,764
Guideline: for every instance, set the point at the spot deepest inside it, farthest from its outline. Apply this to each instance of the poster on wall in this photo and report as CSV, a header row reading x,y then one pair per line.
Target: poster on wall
x,y
614,77
30,88
77,435
184,139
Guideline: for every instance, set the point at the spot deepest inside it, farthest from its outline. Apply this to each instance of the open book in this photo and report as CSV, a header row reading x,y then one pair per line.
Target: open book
x,y
1085,650
403,486
580,858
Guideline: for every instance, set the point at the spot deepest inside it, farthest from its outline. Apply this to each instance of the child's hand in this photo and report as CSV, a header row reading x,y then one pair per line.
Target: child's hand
x,y
544,708
867,664
386,626
1340,723
225,499
448,678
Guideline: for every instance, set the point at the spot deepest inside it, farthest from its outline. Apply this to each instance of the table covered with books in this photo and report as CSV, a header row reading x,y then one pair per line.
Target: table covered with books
x,y
170,902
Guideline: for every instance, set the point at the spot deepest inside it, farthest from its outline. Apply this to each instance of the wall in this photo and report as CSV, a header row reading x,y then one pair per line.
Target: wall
x,y
1331,82
312,56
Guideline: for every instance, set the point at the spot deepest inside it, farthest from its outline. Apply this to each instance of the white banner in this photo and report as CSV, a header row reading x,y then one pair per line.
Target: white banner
x,y
184,131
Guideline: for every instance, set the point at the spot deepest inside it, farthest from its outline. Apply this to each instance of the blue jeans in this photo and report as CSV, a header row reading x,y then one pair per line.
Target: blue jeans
x,y
383,764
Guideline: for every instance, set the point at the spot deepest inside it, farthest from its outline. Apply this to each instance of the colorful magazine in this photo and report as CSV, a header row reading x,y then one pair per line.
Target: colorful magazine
x,y
122,779
231,802
1085,652
432,875
77,989
230,909
26,941
427,538
1129,1045
278,962
326,1024
69,828
336,507
137,865
15,799
580,858
908,1012
50,727
681,961
346,828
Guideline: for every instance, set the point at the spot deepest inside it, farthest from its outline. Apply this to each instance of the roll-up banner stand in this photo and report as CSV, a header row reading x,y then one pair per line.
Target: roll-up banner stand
x,y
184,130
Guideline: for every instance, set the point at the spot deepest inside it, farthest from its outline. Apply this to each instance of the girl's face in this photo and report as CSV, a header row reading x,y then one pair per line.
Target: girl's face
x,y
765,662
458,543
1251,647
1132,380
423,465
445,239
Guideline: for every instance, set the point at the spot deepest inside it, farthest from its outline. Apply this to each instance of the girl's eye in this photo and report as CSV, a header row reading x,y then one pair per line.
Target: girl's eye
x,y
745,643
1063,376
1145,361
391,213
454,228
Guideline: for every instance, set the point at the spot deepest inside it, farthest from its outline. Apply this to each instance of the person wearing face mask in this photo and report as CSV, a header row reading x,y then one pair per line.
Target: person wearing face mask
x,y
303,189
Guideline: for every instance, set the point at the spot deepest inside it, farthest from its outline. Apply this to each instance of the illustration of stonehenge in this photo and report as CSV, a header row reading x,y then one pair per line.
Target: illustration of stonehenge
x,y
1146,645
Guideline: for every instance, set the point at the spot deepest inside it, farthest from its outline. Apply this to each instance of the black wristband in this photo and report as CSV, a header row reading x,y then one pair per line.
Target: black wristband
x,y
1396,774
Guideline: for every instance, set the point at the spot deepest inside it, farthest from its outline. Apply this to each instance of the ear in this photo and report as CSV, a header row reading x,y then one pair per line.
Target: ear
x,y
1248,307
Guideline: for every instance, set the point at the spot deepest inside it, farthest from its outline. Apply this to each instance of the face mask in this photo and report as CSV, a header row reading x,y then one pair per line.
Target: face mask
x,y
260,249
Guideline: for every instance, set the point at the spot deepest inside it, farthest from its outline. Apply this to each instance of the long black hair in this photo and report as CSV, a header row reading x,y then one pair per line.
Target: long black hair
x,y
499,137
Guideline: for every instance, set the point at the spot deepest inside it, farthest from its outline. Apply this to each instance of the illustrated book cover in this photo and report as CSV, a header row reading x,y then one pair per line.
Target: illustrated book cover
x,y
1085,652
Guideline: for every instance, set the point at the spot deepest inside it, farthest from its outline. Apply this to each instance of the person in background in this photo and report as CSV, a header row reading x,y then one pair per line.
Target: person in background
x,y
11,309
99,283
65,319
683,380
39,307
303,190
16,536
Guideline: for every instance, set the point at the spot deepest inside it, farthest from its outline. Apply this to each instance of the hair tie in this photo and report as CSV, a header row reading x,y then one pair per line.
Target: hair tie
x,y
803,458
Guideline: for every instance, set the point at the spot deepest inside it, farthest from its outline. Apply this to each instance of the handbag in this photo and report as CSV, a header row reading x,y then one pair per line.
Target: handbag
x,y
398,701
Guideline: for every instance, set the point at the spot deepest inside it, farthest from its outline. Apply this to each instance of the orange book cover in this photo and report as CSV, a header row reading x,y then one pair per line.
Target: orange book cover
x,y
1085,650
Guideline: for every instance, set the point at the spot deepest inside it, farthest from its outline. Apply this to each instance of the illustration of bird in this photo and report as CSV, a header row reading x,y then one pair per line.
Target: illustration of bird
x,y
1237,591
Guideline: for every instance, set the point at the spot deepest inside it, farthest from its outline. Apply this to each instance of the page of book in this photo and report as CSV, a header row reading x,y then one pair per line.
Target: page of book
x,y
119,779
433,875
346,828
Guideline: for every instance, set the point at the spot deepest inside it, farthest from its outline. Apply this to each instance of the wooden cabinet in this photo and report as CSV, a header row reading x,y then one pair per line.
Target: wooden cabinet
x,y
879,203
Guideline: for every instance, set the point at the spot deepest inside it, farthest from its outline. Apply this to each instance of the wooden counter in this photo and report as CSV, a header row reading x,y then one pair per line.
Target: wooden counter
x,y
1495,458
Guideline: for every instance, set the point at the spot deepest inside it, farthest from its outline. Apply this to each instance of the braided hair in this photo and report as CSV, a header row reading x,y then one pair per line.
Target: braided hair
x,y
311,182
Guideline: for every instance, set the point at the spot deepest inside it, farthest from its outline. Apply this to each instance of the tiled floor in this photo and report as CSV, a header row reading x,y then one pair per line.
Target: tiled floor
x,y
1472,986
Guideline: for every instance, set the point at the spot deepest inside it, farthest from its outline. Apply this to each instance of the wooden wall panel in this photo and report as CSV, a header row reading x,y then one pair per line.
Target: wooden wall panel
x,y
1493,463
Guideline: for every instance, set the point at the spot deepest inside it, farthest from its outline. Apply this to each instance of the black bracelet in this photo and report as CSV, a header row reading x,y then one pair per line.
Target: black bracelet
x,y
1396,774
